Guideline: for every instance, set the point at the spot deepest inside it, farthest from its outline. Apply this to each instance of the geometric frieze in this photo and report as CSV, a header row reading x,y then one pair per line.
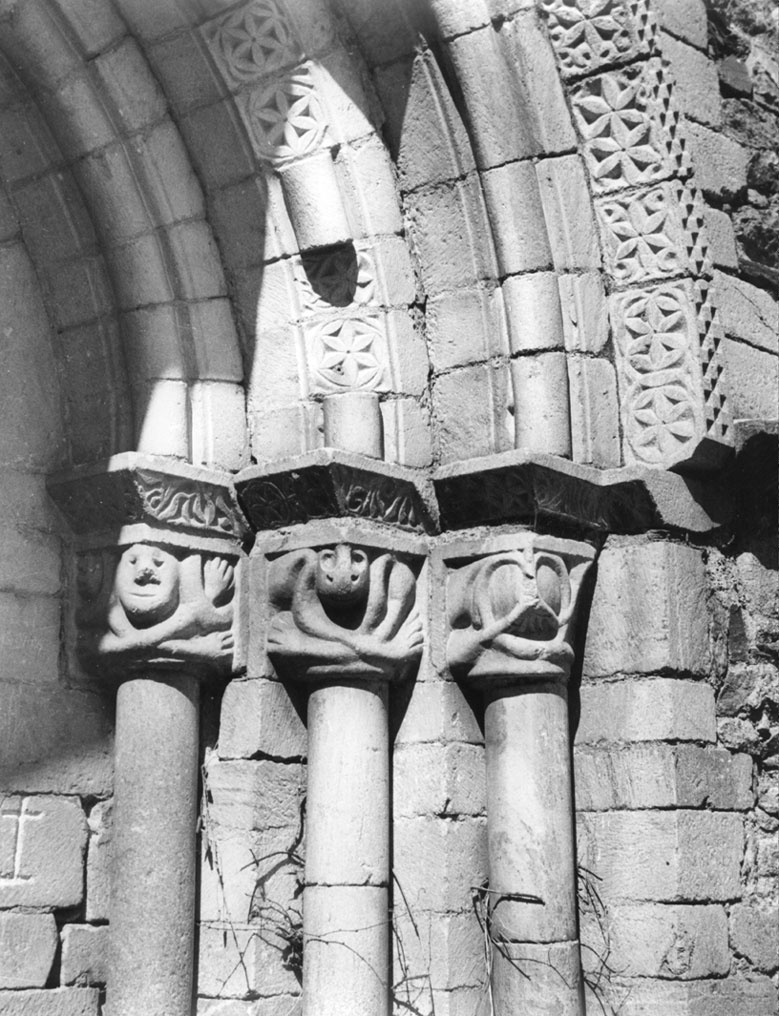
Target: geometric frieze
x,y
549,493
328,483
284,117
592,34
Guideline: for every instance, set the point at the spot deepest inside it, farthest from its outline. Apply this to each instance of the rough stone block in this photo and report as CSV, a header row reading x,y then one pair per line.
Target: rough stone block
x,y
533,312
697,82
720,164
585,313
466,326
99,861
747,312
258,718
42,845
722,238
730,996
438,861
367,184
438,712
592,385
660,940
663,856
426,134
567,207
651,710
28,943
240,215
240,962
451,234
470,412
442,780
518,224
188,76
407,437
655,775
96,25
754,933
253,794
436,949
84,954
752,380
31,561
217,140
485,94
649,611
685,19
54,740
51,1002
126,80
219,438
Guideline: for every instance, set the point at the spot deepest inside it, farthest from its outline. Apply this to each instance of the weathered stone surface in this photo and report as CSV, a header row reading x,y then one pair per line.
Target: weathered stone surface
x,y
438,712
660,940
240,962
442,780
53,1002
720,164
697,84
594,412
253,794
533,312
754,933
28,943
664,856
99,862
656,775
439,860
519,226
42,845
748,313
84,954
259,718
649,611
706,997
568,209
654,709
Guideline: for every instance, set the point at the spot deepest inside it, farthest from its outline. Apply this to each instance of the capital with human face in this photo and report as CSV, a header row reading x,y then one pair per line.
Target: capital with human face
x,y
147,584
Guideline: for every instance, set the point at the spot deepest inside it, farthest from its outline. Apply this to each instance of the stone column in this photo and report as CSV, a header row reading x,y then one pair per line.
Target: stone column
x,y
156,558
510,614
345,623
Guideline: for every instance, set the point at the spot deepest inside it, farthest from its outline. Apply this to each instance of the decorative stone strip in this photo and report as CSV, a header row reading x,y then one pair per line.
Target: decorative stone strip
x,y
333,484
132,489
519,488
651,221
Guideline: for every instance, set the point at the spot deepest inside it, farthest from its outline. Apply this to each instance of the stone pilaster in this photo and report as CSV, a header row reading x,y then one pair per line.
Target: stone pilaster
x,y
511,602
157,547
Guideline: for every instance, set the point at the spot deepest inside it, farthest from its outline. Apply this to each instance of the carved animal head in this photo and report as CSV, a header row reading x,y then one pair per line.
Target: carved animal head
x,y
342,575
147,584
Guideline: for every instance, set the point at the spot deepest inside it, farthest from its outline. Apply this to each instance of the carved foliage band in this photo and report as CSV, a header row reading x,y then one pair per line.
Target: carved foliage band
x,y
149,605
343,611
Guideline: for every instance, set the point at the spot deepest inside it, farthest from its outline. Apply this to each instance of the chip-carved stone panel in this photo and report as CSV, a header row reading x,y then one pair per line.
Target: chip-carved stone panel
x,y
284,118
252,42
592,34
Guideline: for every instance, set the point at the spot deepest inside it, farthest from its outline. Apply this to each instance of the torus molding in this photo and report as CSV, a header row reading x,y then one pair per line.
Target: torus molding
x,y
650,214
333,484
517,487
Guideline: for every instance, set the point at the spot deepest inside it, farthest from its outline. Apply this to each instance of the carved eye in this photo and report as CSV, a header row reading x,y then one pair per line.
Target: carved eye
x,y
552,584
133,558
157,561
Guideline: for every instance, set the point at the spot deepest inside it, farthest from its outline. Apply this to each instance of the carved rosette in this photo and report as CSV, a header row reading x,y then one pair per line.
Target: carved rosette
x,y
650,214
511,611
343,610
156,553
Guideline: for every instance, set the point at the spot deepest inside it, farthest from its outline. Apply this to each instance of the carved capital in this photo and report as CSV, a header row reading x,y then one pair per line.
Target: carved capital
x,y
343,610
510,612
151,605
157,544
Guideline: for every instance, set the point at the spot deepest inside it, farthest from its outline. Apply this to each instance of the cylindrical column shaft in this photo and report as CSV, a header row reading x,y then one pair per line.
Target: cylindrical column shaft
x,y
541,404
353,423
155,815
345,906
531,849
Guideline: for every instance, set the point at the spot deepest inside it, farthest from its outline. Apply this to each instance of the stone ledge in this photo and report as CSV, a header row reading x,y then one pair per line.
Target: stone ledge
x,y
131,495
329,483
517,486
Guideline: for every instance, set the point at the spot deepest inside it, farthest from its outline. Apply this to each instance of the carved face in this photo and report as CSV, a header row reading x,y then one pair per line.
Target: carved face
x,y
342,575
147,584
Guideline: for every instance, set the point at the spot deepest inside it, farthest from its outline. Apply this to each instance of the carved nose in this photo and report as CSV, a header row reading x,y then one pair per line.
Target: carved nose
x,y
146,576
536,621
